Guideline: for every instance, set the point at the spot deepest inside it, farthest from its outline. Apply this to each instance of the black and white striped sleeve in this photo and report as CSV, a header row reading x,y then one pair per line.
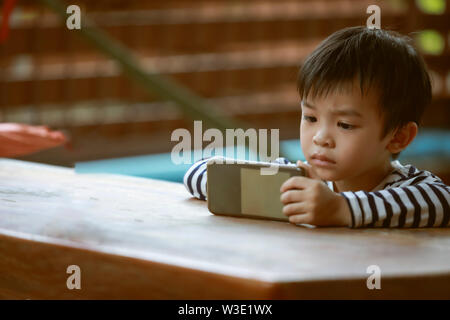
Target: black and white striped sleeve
x,y
415,202
196,176
195,179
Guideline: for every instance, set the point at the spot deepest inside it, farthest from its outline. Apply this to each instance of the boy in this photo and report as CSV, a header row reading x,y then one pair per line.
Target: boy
x,y
363,92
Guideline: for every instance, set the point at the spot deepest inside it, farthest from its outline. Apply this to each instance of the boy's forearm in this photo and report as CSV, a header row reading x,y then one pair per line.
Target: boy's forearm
x,y
342,216
401,206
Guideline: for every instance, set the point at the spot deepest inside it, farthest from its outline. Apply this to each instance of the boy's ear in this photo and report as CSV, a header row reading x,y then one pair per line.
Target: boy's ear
x,y
402,137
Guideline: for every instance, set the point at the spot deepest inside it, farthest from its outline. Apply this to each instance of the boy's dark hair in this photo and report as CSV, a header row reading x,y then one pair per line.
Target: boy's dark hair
x,y
379,59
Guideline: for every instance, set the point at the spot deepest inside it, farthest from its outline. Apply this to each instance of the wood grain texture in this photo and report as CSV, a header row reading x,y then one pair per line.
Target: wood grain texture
x,y
139,238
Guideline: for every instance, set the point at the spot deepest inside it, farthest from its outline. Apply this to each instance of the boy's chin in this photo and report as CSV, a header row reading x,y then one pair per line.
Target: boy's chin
x,y
327,175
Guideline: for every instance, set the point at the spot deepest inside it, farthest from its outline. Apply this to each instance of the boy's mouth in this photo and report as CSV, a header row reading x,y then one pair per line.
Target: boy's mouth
x,y
321,160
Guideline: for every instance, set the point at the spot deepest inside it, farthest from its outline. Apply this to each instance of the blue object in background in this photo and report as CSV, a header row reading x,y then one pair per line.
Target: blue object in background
x,y
431,143
155,166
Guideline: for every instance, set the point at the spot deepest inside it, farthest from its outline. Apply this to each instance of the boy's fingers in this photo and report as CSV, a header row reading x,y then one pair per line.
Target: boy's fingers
x,y
300,218
291,196
303,165
294,209
310,173
297,182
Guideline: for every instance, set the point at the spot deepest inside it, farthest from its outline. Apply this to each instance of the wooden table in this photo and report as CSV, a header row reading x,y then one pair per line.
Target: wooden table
x,y
139,238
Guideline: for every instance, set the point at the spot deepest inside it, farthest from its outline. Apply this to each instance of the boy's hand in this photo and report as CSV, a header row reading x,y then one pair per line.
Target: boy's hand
x,y
310,173
310,201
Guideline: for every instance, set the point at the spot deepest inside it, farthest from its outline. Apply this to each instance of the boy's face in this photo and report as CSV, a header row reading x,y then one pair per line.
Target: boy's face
x,y
344,127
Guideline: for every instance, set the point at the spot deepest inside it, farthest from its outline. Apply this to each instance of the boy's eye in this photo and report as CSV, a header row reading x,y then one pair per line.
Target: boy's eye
x,y
310,119
346,126
343,125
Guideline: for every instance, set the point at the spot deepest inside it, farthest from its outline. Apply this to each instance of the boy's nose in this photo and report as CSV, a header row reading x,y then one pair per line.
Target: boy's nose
x,y
321,138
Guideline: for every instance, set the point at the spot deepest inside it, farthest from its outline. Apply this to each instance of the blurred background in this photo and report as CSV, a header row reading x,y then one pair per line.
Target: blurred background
x,y
240,58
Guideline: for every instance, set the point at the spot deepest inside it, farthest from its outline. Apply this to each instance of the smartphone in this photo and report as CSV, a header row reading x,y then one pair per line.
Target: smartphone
x,y
241,190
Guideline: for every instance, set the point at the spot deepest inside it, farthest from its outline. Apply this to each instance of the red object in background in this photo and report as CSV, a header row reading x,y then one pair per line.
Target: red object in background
x,y
8,7
18,139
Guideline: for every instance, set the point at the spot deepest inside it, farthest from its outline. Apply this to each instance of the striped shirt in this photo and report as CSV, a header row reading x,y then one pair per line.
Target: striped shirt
x,y
406,198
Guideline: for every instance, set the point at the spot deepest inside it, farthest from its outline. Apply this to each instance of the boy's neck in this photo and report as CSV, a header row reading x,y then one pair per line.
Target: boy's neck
x,y
365,182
